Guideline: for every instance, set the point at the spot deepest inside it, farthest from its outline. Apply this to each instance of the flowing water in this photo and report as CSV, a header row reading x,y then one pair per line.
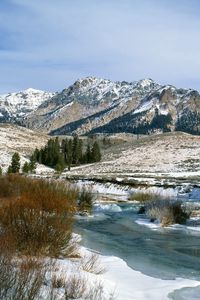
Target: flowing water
x,y
158,252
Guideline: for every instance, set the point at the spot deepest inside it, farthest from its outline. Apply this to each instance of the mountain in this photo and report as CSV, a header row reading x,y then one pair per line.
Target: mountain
x,y
94,105
88,97
14,106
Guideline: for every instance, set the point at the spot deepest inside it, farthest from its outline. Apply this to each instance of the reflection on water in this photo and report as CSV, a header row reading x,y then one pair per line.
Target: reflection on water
x,y
164,253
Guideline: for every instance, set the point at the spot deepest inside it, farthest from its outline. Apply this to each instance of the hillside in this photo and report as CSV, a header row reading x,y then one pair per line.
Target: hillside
x,y
15,138
157,159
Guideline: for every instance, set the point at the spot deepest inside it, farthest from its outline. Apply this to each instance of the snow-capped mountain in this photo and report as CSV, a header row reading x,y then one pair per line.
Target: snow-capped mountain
x,y
88,97
14,106
95,105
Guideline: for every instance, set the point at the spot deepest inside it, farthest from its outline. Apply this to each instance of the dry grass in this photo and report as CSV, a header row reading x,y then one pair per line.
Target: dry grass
x,y
75,287
143,197
22,278
92,264
85,202
167,212
57,282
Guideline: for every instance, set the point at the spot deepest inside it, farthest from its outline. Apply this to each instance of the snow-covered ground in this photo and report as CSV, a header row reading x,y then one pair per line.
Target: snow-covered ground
x,y
132,284
18,139
119,280
155,160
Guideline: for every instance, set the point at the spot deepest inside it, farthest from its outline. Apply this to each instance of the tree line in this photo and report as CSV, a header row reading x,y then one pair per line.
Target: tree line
x,y
58,155
66,153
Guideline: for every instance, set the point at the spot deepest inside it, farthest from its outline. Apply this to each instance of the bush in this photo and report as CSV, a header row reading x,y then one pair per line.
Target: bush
x,y
37,214
167,212
143,197
22,278
85,202
75,287
92,264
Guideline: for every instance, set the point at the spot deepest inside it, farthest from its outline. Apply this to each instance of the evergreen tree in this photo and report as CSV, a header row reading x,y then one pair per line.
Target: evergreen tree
x,y
36,154
15,163
69,152
1,171
32,164
69,155
9,171
80,151
60,164
75,149
88,154
26,167
96,153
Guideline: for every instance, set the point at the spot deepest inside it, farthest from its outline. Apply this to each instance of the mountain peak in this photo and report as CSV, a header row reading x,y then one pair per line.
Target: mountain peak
x,y
31,91
146,82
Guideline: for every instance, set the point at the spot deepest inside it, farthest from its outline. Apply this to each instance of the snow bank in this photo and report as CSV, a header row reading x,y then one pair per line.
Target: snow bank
x,y
131,284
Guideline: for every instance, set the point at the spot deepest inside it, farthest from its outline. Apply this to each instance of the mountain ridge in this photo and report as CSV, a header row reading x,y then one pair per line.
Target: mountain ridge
x,y
96,105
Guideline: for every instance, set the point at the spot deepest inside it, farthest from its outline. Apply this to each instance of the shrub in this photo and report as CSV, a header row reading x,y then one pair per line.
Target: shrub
x,y
143,197
75,287
92,264
167,212
22,278
38,215
85,201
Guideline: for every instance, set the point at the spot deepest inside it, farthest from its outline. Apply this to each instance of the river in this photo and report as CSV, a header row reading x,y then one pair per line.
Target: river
x,y
166,253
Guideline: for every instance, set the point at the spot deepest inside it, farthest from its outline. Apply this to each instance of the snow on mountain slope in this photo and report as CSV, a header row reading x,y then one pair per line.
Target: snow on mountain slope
x,y
18,139
138,107
96,105
16,105
90,96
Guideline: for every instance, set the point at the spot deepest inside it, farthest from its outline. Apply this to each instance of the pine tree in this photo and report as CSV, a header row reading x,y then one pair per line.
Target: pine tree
x,y
60,164
15,164
9,171
80,151
1,171
26,167
36,154
32,164
88,154
96,153
75,154
69,154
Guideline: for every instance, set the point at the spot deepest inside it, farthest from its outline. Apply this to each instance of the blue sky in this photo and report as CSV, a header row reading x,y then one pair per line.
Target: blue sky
x,y
48,44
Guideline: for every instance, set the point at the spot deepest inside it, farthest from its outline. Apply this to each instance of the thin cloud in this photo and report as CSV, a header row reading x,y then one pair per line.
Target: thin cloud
x,y
49,44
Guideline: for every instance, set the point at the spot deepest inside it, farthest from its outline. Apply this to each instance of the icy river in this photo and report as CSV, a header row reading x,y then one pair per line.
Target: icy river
x,y
166,253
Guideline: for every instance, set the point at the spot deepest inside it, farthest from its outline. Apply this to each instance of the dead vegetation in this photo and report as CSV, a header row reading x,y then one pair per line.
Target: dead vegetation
x,y
20,278
167,212
92,264
37,214
36,219
144,197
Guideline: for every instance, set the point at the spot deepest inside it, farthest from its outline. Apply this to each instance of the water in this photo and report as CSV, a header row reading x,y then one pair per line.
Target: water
x,y
162,253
